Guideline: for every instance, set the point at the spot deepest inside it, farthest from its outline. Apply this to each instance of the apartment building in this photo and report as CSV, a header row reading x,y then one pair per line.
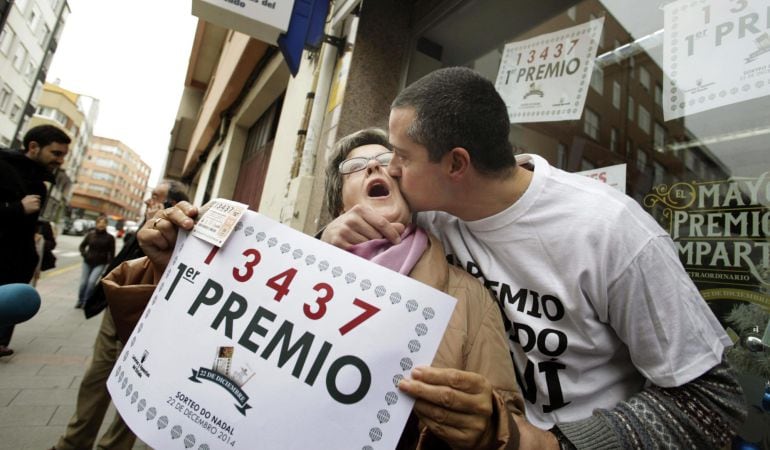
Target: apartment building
x,y
112,181
75,114
29,36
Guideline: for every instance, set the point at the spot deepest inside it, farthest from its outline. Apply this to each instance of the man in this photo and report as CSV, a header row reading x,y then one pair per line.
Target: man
x,y
93,397
23,175
613,345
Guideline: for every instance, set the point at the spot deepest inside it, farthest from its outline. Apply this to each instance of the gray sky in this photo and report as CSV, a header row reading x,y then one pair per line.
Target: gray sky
x,y
132,56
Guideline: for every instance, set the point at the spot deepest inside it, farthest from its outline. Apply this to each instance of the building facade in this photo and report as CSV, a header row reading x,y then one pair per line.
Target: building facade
x,y
29,36
75,114
702,172
112,180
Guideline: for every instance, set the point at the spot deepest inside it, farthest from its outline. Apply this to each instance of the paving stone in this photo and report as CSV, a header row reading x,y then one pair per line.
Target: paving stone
x,y
41,397
25,415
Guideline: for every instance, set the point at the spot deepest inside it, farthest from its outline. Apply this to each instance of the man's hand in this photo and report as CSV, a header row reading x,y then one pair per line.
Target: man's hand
x,y
360,224
31,204
454,404
158,235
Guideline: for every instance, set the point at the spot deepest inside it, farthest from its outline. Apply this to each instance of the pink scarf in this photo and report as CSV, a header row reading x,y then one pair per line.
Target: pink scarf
x,y
399,257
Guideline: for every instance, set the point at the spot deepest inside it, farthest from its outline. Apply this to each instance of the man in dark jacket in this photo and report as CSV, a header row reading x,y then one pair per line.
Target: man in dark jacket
x,y
23,174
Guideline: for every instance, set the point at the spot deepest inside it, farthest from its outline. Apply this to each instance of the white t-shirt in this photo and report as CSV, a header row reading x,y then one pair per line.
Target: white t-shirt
x,y
597,298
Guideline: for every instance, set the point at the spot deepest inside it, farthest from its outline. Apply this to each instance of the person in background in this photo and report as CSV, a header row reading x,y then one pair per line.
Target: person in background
x,y
97,249
23,174
93,397
613,345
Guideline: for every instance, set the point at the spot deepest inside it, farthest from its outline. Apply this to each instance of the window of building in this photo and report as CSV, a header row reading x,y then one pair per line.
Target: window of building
x,y
659,136
5,97
6,39
16,109
644,119
561,156
631,108
586,164
42,35
658,174
658,94
641,159
629,146
644,78
614,139
591,124
19,57
31,71
597,80
22,5
33,18
616,94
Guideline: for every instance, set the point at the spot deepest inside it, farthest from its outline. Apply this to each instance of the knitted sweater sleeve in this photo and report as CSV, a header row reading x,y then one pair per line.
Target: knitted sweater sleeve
x,y
703,414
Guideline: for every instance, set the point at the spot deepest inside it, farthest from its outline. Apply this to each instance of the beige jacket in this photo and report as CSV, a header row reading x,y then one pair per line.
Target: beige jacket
x,y
474,341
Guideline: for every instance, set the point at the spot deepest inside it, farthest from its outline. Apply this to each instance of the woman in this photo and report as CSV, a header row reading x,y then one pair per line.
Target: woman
x,y
474,340
97,249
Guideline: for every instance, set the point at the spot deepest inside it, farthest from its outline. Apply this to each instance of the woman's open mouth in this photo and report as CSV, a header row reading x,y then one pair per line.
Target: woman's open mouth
x,y
378,189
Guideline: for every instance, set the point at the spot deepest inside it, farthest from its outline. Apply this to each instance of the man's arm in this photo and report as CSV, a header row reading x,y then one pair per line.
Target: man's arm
x,y
360,224
703,414
10,210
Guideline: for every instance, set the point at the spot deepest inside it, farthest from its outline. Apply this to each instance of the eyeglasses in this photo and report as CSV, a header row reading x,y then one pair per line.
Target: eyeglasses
x,y
360,162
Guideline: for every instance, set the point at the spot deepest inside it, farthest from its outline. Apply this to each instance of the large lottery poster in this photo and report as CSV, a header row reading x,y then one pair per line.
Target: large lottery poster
x,y
715,53
275,340
546,78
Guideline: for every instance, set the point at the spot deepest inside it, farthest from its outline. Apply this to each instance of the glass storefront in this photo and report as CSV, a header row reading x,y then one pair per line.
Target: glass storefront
x,y
668,101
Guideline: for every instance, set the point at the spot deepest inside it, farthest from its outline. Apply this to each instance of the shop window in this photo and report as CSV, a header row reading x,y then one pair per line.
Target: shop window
x,y
644,119
659,173
591,124
616,95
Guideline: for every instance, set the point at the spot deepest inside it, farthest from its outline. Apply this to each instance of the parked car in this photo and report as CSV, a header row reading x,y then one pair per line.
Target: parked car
x,y
130,228
78,227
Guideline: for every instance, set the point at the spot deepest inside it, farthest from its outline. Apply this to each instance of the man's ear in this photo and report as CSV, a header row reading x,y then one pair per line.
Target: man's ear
x,y
458,162
33,150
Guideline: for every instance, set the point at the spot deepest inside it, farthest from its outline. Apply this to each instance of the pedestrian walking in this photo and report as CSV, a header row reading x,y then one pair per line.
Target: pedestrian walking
x,y
97,249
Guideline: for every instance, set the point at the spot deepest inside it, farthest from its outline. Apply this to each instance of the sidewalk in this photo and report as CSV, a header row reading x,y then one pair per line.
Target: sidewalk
x,y
39,383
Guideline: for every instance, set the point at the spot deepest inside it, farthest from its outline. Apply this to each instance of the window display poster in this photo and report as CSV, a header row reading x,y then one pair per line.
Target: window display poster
x,y
722,232
275,340
715,53
615,176
546,78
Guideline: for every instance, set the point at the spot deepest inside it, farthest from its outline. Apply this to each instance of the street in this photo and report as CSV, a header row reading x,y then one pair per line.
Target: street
x,y
39,382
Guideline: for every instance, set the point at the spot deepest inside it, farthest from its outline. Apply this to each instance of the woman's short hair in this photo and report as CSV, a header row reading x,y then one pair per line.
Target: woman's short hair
x,y
340,152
